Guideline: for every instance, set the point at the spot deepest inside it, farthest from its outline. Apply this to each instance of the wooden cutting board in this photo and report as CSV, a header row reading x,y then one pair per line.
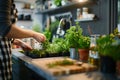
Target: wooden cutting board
x,y
62,70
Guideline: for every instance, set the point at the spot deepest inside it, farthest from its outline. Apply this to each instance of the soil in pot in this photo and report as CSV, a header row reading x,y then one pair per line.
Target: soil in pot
x,y
53,54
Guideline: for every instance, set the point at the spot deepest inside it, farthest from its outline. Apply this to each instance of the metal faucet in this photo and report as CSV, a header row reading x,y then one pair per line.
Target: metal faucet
x,y
60,31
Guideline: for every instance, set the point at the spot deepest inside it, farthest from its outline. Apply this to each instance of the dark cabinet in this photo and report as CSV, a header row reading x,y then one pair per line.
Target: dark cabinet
x,y
22,72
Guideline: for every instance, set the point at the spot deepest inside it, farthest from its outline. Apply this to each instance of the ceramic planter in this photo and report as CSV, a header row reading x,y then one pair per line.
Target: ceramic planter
x,y
83,54
107,65
73,53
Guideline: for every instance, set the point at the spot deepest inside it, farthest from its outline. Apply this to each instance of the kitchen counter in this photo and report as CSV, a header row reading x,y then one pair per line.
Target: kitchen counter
x,y
28,62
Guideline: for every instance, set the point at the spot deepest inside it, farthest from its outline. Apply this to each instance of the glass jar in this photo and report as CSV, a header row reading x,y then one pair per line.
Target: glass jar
x,y
85,11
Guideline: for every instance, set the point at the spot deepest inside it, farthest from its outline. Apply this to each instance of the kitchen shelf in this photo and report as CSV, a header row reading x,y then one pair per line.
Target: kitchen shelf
x,y
84,20
26,20
68,7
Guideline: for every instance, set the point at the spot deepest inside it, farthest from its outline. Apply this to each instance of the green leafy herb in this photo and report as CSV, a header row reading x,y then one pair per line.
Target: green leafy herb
x,y
109,45
84,42
39,53
72,35
64,62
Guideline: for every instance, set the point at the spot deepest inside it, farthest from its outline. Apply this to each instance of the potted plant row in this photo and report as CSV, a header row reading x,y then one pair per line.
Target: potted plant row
x,y
63,48
77,41
54,49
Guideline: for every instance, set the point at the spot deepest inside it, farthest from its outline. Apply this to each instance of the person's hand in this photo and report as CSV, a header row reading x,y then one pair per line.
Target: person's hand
x,y
39,37
25,46
22,44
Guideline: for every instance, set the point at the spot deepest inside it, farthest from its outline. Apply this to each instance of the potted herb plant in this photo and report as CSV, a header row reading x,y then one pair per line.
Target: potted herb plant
x,y
83,48
108,47
72,37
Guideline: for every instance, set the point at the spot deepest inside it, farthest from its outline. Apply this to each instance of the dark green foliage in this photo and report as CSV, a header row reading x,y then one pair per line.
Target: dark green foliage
x,y
46,44
58,46
72,35
47,33
109,45
75,38
37,53
62,43
54,26
84,42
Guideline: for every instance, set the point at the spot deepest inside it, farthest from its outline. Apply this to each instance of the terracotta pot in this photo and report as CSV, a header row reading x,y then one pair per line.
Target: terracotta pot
x,y
83,54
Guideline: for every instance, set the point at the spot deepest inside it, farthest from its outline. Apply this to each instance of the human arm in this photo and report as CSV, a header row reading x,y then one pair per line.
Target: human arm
x,y
7,29
16,32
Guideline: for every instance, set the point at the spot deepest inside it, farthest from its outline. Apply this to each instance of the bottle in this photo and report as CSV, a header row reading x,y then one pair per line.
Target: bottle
x,y
92,45
79,13
93,55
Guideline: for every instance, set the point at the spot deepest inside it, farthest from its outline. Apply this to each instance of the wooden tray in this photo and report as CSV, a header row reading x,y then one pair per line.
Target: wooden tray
x,y
62,70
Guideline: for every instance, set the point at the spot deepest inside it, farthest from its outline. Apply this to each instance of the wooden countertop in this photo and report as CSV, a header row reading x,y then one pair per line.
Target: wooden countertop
x,y
28,62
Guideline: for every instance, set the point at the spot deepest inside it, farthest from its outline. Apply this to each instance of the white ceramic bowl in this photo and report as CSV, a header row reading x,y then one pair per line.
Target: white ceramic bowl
x,y
90,15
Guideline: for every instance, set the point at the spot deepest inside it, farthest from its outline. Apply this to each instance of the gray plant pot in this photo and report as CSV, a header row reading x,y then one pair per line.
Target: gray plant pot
x,y
74,53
